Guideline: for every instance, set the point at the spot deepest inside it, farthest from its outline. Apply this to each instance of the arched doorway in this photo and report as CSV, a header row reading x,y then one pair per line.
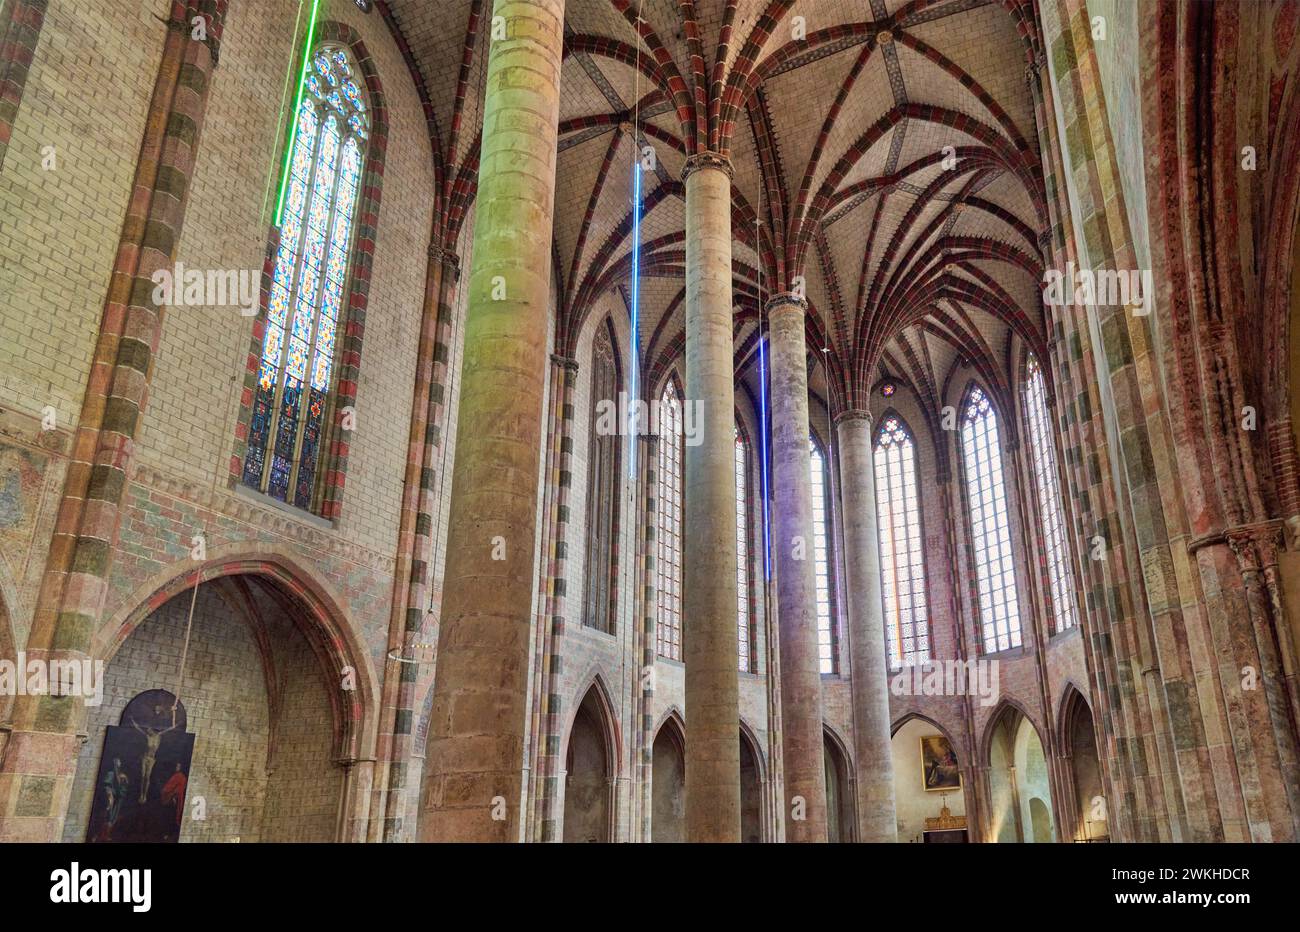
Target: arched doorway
x,y
588,779
1040,821
272,705
668,783
751,789
1020,796
927,776
840,806
1080,741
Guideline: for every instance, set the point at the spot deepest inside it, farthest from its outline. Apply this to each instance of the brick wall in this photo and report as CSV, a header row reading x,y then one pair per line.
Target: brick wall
x,y
86,97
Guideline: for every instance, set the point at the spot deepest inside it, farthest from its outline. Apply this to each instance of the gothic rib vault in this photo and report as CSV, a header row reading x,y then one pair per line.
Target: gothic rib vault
x,y
848,212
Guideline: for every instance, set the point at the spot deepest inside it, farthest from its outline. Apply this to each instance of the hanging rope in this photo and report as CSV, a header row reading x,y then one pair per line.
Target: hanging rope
x,y
185,649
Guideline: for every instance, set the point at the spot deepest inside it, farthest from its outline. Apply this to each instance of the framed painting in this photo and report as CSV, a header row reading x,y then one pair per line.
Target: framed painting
x,y
144,772
939,770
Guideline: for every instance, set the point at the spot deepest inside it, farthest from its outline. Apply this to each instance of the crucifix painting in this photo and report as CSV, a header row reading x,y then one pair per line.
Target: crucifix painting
x,y
143,773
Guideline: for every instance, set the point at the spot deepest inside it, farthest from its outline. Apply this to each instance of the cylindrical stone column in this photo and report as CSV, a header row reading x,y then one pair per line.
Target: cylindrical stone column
x,y
877,819
709,513
480,698
802,745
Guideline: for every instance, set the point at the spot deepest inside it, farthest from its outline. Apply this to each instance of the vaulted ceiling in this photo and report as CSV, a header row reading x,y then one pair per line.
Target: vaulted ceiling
x,y
885,152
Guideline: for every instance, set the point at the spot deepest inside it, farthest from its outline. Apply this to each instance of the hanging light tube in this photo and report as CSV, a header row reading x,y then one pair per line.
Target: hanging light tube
x,y
297,105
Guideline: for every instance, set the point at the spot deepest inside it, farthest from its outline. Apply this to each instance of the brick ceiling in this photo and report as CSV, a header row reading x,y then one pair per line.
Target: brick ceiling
x,y
912,265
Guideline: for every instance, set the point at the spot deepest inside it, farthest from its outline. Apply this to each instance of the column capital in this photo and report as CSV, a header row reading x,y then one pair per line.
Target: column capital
x,y
702,160
448,259
853,414
783,298
1255,545
564,362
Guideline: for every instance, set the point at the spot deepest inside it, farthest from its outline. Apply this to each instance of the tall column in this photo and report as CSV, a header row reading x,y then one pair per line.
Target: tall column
x,y
709,515
802,748
413,576
480,697
644,645
877,819
41,757
551,730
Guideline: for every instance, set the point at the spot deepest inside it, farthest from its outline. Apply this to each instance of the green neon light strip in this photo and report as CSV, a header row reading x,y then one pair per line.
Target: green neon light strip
x,y
297,105
279,116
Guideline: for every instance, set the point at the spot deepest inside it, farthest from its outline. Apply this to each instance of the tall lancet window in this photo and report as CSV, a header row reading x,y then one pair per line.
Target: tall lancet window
x,y
602,485
743,623
295,381
826,646
902,564
1059,574
999,604
668,629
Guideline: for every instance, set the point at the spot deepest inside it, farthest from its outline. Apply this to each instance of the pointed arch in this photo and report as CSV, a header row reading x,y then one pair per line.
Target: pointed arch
x,y
902,554
1083,776
754,790
841,787
668,779
996,594
319,617
828,635
1072,698
307,676
672,724
1044,465
922,717
750,737
305,351
591,763
595,688
1009,710
604,454
1015,757
669,501
746,643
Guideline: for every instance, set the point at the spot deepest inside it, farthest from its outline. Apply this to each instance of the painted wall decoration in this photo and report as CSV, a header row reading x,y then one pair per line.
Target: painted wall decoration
x,y
144,771
939,769
21,475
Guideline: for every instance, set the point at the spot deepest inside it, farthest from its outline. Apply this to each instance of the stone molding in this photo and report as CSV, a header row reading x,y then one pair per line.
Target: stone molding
x,y
702,160
853,414
783,299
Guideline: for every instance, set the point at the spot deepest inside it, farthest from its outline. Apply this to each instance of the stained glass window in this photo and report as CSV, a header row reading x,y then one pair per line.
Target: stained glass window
x,y
668,629
821,555
902,565
1043,451
999,603
294,386
602,486
742,554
